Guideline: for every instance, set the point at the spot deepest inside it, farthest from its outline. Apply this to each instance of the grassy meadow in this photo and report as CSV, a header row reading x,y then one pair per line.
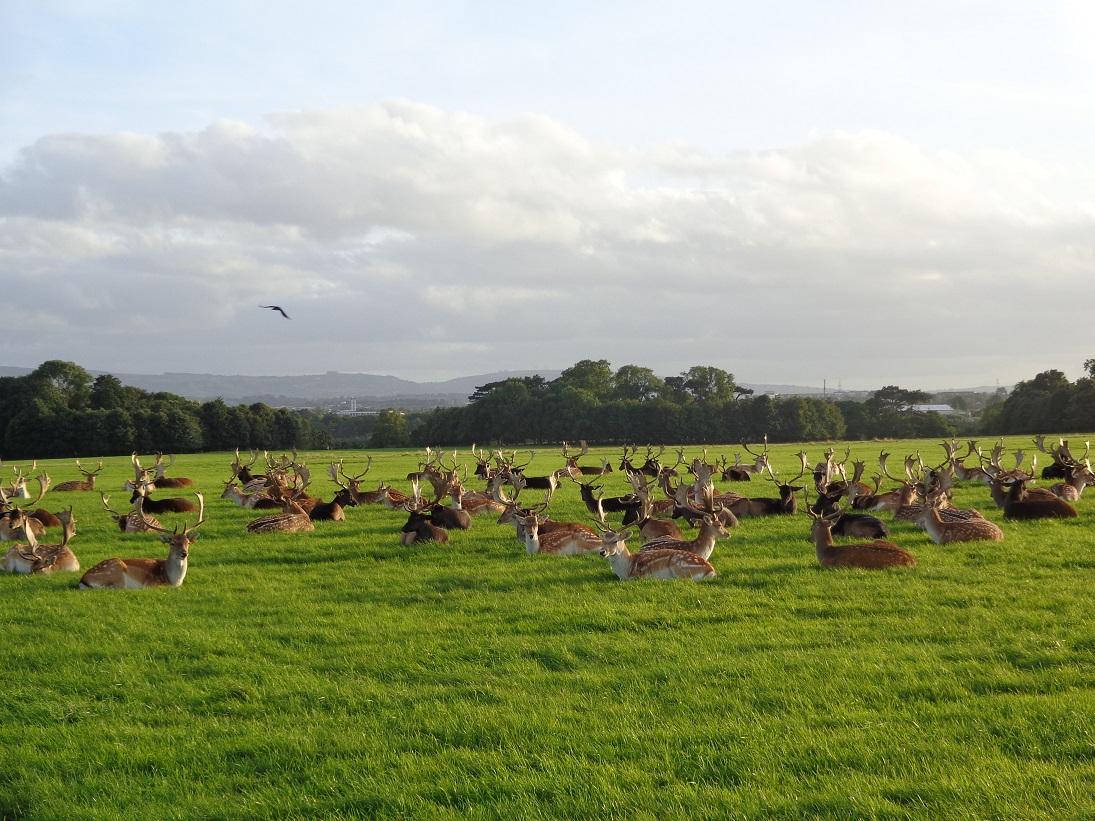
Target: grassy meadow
x,y
339,673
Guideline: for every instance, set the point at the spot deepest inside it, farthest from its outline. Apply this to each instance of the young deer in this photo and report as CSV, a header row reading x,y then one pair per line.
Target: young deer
x,y
137,573
43,558
87,483
665,563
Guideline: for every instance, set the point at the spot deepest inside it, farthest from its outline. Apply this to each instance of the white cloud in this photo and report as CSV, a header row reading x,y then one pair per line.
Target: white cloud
x,y
404,238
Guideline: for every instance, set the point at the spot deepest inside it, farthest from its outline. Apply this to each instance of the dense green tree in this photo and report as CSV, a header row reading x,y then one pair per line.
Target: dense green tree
x,y
592,376
390,430
709,384
639,384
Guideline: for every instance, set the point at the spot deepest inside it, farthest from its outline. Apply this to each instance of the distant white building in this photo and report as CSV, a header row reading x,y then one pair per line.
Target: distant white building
x,y
941,409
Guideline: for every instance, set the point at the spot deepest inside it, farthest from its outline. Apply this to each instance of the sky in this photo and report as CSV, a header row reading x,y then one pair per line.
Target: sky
x,y
855,192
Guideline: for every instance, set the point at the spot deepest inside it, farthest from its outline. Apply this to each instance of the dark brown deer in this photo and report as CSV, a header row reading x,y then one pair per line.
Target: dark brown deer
x,y
785,505
163,481
576,471
420,526
175,504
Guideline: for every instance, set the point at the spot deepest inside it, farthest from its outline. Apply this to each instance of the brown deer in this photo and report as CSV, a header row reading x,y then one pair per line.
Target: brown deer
x,y
1018,503
87,483
785,505
420,526
576,471
875,555
292,519
665,563
137,573
132,522
711,530
945,531
38,521
163,481
174,504
42,558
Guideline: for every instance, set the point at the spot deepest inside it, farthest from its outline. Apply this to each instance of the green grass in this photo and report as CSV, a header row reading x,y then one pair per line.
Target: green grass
x,y
338,673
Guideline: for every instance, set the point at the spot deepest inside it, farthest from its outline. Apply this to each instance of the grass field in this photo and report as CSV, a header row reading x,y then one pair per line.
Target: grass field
x,y
338,673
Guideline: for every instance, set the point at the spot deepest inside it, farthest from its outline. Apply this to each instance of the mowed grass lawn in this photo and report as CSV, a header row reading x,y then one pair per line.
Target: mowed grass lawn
x,y
338,673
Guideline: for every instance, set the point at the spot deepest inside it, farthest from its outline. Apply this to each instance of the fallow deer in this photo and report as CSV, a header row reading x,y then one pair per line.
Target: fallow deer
x,y
420,526
711,530
292,519
137,573
87,483
945,531
132,522
665,563
38,521
173,504
163,481
875,555
576,471
785,505
1079,478
42,558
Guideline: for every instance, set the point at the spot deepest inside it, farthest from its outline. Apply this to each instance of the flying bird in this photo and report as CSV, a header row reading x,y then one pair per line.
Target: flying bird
x,y
276,308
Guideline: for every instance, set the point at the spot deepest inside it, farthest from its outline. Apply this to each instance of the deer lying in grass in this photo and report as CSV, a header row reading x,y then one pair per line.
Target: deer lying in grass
x,y
292,519
875,555
420,526
556,542
785,505
514,514
711,530
132,522
945,531
42,558
576,471
122,574
256,499
664,563
173,504
87,483
163,481
37,522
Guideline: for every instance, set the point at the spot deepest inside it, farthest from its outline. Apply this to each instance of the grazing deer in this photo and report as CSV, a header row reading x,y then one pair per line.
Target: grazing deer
x,y
42,558
132,522
875,555
420,526
88,482
136,573
664,563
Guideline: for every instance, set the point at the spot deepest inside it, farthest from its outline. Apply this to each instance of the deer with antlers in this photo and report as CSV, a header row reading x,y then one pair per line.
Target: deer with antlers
x,y
42,558
711,530
420,526
875,555
87,483
785,505
37,522
554,541
173,504
945,531
1011,493
662,563
292,519
137,573
1075,471
18,488
576,471
132,522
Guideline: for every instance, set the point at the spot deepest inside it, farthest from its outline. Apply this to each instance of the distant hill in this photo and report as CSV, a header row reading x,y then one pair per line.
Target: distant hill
x,y
371,390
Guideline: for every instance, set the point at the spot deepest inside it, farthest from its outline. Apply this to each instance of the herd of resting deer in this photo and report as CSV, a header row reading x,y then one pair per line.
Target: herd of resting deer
x,y
840,506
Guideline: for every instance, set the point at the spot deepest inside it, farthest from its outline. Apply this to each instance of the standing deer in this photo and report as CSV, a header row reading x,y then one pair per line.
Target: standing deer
x,y
136,573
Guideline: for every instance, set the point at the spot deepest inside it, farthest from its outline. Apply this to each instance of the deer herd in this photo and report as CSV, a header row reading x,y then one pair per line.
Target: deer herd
x,y
834,495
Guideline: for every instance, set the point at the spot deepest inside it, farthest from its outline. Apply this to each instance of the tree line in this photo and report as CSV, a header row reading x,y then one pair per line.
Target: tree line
x,y
60,410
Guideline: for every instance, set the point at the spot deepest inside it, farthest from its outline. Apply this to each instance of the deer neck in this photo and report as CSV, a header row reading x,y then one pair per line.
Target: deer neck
x,y
823,540
621,561
174,567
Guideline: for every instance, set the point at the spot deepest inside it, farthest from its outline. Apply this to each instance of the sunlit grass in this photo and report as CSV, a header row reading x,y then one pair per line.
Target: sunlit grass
x,y
339,673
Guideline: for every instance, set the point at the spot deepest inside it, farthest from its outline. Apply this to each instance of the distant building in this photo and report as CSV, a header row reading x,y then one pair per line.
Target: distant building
x,y
941,409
